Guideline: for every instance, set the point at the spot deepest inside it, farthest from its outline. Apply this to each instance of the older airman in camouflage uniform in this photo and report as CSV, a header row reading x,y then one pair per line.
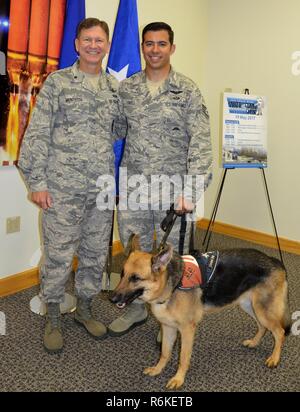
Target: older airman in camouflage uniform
x,y
67,146
168,134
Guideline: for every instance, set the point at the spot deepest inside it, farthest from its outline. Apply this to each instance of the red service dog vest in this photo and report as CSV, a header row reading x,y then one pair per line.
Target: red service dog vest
x,y
191,277
199,270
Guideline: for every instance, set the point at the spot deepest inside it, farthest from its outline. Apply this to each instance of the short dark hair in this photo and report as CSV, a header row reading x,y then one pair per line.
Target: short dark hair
x,y
157,26
90,22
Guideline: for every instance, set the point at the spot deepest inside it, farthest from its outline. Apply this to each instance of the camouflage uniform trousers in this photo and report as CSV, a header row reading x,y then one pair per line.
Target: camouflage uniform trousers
x,y
144,223
74,226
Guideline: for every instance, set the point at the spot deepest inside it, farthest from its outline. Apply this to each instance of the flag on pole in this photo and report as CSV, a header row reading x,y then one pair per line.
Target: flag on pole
x,y
75,12
124,57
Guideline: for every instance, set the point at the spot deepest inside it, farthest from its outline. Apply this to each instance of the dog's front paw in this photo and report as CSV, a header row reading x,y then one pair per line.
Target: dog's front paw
x,y
272,362
175,382
250,343
152,371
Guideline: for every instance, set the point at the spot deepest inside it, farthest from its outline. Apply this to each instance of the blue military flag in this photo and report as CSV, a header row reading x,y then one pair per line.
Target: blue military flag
x,y
75,12
124,57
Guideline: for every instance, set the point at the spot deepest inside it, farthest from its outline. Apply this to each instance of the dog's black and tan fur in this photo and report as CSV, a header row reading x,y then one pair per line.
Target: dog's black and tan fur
x,y
247,277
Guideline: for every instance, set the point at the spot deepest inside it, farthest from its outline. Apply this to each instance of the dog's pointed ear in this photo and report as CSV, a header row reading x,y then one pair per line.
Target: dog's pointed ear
x,y
132,245
162,258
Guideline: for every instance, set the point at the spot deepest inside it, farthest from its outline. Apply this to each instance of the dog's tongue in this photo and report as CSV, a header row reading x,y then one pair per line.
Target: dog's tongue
x,y
121,305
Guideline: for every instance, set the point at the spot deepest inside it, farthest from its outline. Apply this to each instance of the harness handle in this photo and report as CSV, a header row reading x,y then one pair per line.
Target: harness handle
x,y
167,225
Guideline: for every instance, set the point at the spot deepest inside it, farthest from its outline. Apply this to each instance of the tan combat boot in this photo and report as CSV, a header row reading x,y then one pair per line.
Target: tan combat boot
x,y
135,315
83,316
53,340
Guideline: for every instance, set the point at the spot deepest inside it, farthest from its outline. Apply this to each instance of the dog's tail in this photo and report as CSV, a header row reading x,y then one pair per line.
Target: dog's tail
x,y
287,320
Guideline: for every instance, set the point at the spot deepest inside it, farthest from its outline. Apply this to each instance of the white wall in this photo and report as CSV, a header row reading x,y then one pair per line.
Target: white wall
x,y
250,45
18,251
220,44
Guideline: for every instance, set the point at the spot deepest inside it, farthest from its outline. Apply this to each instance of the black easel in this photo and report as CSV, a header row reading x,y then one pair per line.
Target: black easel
x,y
208,233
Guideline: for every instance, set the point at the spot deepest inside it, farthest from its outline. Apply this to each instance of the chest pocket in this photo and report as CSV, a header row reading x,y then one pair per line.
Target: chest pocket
x,y
174,113
174,123
74,108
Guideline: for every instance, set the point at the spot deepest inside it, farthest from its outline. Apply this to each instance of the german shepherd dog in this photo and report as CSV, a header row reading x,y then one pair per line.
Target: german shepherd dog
x,y
247,277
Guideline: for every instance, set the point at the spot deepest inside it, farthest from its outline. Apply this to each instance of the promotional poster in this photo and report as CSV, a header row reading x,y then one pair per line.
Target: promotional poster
x,y
244,131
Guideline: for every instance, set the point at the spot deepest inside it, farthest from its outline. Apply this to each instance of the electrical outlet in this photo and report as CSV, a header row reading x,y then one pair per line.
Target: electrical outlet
x,y
13,224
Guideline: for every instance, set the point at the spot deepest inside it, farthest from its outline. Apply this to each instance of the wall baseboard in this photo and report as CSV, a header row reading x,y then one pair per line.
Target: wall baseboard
x,y
260,238
24,280
16,283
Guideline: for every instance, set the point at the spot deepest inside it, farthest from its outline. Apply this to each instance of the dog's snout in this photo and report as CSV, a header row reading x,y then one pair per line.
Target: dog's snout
x,y
114,297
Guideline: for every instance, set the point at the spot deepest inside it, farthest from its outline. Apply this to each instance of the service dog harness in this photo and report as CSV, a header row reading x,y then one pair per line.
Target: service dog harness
x,y
198,270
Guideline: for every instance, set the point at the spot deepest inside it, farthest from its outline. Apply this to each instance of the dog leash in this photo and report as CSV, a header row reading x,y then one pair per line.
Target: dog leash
x,y
167,225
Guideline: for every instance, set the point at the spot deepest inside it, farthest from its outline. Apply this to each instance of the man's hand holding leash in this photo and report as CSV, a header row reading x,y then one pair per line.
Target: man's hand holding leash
x,y
183,206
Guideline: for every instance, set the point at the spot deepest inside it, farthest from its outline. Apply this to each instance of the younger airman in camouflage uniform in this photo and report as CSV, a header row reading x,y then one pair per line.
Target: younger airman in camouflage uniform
x,y
67,146
168,134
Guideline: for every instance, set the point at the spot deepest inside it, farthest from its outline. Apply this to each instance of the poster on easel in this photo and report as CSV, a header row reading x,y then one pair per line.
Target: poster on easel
x,y
244,139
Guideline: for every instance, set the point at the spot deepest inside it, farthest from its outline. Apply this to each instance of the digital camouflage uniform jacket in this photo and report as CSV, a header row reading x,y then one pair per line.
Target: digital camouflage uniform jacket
x,y
168,133
69,140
